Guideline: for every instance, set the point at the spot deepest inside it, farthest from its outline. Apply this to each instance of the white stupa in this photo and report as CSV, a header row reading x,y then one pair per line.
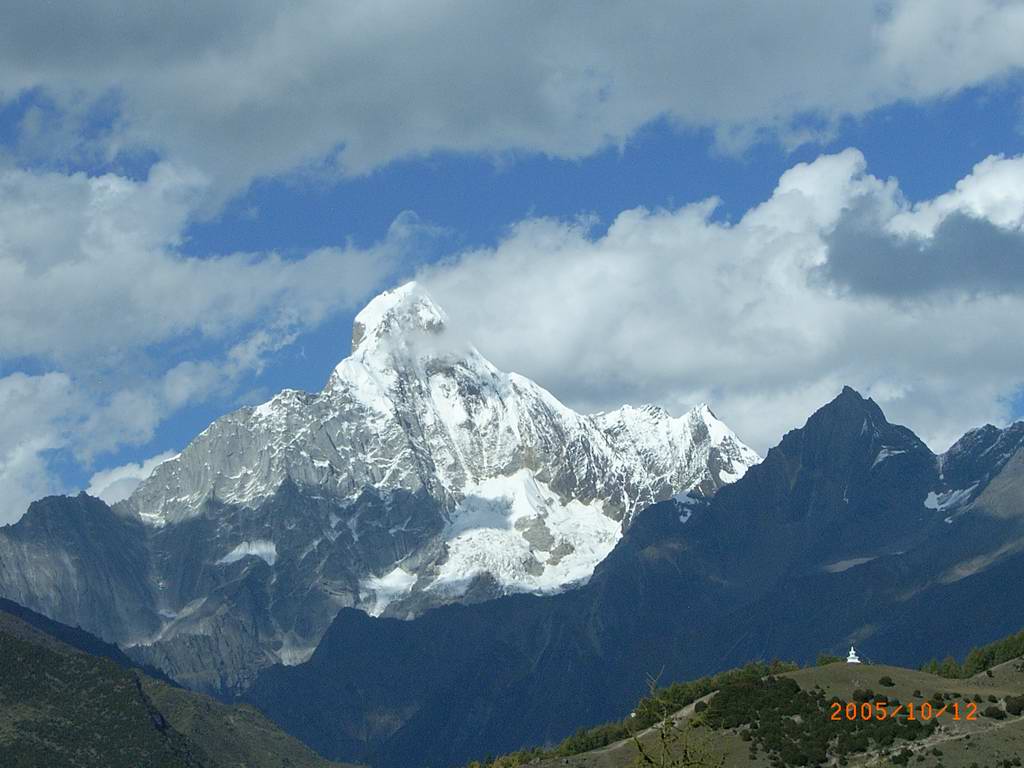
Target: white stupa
x,y
852,658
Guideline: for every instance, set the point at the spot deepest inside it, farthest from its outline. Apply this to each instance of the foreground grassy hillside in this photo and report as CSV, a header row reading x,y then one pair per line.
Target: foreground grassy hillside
x,y
740,736
60,706
774,717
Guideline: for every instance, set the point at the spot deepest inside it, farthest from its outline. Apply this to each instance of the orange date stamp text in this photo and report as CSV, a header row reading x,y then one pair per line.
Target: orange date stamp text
x,y
924,711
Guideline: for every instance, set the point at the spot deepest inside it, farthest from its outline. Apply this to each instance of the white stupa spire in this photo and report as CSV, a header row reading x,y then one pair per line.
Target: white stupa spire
x,y
852,658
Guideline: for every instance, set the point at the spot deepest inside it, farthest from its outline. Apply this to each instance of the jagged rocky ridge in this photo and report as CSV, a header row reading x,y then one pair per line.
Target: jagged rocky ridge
x,y
418,476
850,531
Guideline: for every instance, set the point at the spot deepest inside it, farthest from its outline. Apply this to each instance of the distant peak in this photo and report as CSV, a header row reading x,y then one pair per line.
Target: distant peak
x,y
852,419
850,401
395,313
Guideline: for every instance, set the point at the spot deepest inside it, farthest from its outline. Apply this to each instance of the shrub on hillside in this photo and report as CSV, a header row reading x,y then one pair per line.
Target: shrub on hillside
x,y
1015,704
902,757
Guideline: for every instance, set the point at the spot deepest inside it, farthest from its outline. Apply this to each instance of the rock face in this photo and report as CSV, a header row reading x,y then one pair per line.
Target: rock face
x,y
850,531
420,475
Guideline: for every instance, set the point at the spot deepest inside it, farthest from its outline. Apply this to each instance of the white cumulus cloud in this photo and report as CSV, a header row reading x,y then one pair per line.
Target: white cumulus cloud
x,y
254,89
95,289
674,307
103,252
117,483
35,413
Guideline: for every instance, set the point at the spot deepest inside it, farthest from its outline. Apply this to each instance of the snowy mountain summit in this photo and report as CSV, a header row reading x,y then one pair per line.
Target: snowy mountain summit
x,y
419,475
532,494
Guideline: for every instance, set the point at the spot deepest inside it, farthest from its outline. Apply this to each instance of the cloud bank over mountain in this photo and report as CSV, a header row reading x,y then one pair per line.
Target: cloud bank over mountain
x,y
836,279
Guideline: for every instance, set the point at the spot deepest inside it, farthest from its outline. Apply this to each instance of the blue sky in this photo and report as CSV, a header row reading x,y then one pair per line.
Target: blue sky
x,y
928,147
493,178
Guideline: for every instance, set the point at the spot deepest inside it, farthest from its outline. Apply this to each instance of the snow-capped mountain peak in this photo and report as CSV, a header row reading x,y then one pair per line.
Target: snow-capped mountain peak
x,y
422,474
412,409
396,317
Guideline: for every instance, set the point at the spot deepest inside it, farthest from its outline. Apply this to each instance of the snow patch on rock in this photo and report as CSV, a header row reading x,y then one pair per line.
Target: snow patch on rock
x,y
885,453
261,548
387,588
845,565
948,499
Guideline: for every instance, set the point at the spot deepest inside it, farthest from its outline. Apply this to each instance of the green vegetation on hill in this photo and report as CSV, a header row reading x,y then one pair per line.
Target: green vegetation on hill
x,y
979,659
77,710
777,716
63,707
235,735
649,711
788,724
794,726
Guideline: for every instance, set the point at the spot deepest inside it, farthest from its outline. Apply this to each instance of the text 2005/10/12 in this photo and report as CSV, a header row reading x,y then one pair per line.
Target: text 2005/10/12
x,y
870,710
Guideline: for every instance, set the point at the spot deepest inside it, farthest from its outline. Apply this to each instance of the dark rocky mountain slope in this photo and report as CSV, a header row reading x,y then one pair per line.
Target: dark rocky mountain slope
x,y
850,530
